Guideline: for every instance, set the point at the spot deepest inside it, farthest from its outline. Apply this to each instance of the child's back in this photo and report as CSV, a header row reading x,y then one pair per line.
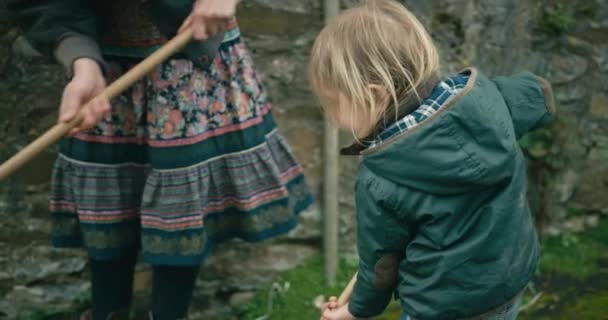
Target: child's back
x,y
441,191
444,204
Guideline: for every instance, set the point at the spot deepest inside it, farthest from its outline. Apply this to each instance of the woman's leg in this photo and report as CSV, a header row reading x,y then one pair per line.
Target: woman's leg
x,y
111,285
172,291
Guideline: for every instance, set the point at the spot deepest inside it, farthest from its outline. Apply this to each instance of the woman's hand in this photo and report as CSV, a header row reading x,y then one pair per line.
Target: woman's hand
x,y
209,17
87,83
331,311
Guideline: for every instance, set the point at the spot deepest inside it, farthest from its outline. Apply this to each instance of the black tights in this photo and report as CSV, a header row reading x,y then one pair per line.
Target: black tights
x,y
112,287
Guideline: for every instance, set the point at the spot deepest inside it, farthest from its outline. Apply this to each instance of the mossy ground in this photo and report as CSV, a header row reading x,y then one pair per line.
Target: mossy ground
x,y
572,278
572,281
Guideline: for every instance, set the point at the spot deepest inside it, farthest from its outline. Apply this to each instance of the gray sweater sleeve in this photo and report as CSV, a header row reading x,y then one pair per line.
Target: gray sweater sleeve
x,y
72,46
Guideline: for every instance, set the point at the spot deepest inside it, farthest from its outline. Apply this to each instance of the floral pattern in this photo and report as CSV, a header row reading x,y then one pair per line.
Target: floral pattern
x,y
177,100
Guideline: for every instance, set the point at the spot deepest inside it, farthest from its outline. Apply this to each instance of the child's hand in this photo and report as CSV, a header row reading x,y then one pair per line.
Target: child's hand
x,y
331,304
87,83
331,311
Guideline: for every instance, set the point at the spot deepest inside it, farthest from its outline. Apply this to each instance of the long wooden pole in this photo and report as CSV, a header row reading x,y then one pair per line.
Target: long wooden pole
x,y
117,87
330,175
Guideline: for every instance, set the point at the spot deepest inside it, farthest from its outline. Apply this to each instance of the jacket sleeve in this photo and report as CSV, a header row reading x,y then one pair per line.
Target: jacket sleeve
x,y
529,99
64,29
381,243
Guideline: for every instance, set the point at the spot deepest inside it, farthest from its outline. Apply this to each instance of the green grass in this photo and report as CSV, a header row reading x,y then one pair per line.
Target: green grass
x,y
586,307
304,284
575,255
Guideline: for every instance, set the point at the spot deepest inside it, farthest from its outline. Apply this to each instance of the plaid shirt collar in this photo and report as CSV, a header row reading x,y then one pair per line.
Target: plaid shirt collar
x,y
440,94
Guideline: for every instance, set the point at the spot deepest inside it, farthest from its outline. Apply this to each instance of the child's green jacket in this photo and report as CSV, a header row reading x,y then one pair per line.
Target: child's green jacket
x,y
443,220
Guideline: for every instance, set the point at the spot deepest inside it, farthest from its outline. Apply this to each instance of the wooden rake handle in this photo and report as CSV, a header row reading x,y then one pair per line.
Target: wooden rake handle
x,y
117,87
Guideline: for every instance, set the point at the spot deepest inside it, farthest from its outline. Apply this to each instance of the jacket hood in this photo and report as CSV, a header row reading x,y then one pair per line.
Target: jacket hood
x,y
471,141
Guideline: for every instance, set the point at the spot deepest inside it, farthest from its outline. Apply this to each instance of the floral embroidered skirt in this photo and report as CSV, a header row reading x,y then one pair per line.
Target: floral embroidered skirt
x,y
188,158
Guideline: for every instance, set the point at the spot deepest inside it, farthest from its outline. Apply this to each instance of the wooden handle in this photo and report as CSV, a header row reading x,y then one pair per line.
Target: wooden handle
x,y
347,292
117,87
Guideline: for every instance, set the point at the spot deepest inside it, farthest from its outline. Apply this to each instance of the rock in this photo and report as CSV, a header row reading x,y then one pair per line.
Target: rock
x,y
295,6
579,45
566,185
566,68
306,147
241,266
575,148
268,44
592,221
22,299
557,212
23,48
44,263
241,298
302,127
63,292
40,209
263,18
309,226
552,230
600,57
598,154
571,98
576,224
280,258
599,106
591,189
214,311
5,276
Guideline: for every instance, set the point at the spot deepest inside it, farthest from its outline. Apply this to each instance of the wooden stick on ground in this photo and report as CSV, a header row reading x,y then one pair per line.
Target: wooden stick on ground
x,y
117,87
347,292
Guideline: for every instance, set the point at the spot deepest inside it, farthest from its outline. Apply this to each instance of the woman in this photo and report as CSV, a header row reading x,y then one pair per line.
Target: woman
x,y
187,157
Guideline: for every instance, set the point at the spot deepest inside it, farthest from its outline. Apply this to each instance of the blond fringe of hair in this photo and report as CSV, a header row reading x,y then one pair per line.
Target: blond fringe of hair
x,y
378,42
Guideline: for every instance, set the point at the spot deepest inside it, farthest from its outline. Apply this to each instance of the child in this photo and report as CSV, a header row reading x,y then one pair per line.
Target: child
x,y
187,157
443,221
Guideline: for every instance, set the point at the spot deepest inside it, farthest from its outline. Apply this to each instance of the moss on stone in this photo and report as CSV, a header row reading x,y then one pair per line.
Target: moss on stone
x,y
575,255
593,306
560,17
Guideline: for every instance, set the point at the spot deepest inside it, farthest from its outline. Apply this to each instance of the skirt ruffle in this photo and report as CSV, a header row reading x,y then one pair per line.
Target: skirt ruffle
x,y
187,159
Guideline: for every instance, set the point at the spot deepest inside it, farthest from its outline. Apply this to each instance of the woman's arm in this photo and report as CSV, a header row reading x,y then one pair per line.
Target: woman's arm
x,y
63,29
67,29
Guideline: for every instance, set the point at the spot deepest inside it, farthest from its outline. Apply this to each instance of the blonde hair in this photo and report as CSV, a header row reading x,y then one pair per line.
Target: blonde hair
x,y
378,42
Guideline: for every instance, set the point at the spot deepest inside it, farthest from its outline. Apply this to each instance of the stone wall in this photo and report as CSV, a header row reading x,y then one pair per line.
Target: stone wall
x,y
565,41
